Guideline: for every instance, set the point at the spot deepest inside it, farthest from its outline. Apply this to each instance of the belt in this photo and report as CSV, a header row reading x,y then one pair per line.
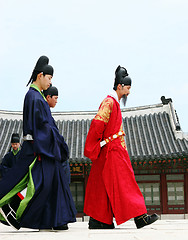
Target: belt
x,y
28,137
111,138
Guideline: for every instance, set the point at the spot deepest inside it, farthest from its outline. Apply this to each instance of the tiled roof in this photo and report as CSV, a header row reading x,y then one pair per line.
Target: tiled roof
x,y
150,132
151,137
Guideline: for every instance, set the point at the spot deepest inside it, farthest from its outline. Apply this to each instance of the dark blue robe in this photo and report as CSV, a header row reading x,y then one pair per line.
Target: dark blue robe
x,y
8,161
52,204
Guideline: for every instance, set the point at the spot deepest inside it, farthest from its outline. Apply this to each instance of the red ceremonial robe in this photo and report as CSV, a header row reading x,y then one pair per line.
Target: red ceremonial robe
x,y
111,189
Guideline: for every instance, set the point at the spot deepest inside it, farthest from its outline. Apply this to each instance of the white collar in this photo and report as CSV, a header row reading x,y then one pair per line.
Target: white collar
x,y
114,95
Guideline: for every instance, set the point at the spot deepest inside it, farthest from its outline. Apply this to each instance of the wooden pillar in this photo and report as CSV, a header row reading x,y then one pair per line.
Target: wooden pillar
x,y
164,194
186,191
86,176
85,180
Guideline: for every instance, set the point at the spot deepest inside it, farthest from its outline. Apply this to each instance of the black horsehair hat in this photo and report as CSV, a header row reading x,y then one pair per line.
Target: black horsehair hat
x,y
121,77
41,66
15,138
52,91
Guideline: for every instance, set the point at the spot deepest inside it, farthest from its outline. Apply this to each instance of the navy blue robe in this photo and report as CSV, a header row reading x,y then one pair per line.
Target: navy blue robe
x,y
8,161
52,204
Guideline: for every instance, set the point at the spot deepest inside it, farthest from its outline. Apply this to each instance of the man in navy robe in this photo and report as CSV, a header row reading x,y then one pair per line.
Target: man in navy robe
x,y
37,186
51,95
11,158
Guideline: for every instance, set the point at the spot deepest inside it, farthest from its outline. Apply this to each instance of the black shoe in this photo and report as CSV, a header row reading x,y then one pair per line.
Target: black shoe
x,y
10,216
62,227
94,224
145,219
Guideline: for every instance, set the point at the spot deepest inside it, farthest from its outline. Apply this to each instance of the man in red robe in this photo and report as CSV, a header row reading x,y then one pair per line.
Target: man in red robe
x,y
112,190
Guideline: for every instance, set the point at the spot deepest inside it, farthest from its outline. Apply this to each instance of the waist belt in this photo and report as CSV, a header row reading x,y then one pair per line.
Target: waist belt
x,y
111,138
28,137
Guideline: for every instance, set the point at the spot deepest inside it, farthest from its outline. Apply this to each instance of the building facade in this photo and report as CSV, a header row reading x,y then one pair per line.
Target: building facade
x,y
157,147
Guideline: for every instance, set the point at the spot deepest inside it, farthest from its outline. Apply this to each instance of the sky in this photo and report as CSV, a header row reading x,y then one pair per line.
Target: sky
x,y
86,40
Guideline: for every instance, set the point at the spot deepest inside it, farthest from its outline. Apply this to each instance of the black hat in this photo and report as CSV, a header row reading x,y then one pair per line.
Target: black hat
x,y
41,66
15,138
121,77
52,91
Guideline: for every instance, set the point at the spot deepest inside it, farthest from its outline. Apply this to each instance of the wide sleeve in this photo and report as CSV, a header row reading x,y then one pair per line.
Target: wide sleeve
x,y
47,139
95,135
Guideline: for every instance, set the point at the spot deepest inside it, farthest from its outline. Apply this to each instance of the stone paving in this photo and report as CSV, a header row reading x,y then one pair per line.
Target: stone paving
x,y
160,230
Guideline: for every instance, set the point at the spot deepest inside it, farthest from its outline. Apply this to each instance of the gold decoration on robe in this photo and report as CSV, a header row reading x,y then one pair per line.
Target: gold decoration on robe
x,y
103,114
123,144
105,110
